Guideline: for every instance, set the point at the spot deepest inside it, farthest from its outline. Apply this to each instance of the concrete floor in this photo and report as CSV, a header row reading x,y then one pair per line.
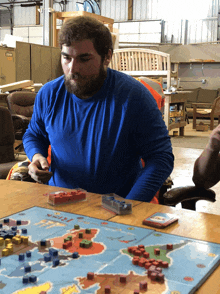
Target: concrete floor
x,y
183,171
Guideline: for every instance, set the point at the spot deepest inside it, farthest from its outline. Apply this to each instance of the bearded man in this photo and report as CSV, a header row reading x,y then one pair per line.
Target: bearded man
x,y
98,121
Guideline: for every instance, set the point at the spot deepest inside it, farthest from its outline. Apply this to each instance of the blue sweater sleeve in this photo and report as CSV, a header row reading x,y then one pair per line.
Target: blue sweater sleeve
x,y
154,145
35,139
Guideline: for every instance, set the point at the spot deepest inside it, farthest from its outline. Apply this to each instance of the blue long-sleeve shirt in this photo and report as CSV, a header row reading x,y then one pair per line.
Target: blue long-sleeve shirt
x,y
97,143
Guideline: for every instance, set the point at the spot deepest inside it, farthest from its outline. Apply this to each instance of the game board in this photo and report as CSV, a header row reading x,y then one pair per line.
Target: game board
x,y
99,258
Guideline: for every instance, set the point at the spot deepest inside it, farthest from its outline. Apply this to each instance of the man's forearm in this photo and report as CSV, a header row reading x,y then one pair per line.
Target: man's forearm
x,y
207,169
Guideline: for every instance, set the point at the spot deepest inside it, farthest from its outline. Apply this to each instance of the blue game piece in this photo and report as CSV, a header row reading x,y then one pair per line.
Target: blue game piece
x,y
43,243
75,255
32,279
56,262
6,220
53,252
18,222
24,231
47,257
27,268
14,228
1,225
21,256
28,253
25,280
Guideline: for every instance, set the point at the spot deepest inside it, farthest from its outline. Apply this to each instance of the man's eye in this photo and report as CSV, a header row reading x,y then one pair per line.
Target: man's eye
x,y
66,57
85,59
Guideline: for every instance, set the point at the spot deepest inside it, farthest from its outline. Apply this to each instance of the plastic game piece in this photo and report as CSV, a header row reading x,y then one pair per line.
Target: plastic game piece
x,y
14,228
160,220
146,254
151,260
27,268
116,204
21,257
90,276
164,264
143,285
85,243
18,222
24,231
1,225
160,277
62,197
76,227
155,263
2,241
88,231
81,235
56,262
70,238
67,244
6,220
28,253
137,253
169,246
47,257
43,243
153,276
7,241
5,252
75,255
136,292
17,241
123,279
25,280
157,251
25,240
32,279
53,252
135,261
10,248
107,289
147,265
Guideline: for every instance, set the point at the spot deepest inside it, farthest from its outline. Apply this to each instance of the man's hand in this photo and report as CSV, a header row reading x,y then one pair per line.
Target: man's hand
x,y
214,140
38,169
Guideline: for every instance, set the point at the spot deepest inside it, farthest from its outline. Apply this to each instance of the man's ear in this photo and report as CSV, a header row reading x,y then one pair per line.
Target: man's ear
x,y
108,57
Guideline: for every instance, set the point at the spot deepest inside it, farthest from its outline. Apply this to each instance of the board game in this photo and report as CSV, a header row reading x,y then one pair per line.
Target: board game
x,y
49,251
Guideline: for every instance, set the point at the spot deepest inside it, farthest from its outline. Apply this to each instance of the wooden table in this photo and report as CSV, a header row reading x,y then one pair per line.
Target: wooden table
x,y
204,106
16,196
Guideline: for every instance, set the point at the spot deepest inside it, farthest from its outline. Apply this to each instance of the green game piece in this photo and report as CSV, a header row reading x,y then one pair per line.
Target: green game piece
x,y
70,238
65,240
88,231
80,235
82,244
88,243
76,227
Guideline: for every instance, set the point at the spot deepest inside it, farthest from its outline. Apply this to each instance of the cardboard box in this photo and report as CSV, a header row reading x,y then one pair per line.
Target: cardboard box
x,y
202,128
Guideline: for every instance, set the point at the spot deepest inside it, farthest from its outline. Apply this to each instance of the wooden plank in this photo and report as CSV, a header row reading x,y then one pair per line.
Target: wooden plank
x,y
130,9
15,86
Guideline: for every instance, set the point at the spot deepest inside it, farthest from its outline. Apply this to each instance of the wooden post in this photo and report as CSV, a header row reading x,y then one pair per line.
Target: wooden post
x,y
130,9
37,15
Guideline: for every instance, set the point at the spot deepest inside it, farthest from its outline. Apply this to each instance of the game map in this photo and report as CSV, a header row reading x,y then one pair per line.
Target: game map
x,y
48,251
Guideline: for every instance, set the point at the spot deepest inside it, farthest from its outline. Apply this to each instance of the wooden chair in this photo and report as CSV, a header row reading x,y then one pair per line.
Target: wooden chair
x,y
142,62
209,112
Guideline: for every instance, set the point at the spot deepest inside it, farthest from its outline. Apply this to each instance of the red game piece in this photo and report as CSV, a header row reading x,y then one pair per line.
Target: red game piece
x,y
153,276
159,269
135,261
90,276
143,285
169,246
159,261
147,265
134,249
142,262
151,260
146,255
62,197
107,289
164,264
67,244
141,246
130,249
142,250
123,279
137,253
136,292
160,277
157,251
155,263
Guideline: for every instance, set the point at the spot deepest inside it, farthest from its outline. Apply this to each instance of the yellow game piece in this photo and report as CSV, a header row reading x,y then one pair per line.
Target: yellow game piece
x,y
25,240
7,241
10,248
2,241
17,241
5,252
13,239
18,236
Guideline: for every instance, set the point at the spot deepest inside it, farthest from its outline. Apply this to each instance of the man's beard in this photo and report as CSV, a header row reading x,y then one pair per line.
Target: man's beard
x,y
85,87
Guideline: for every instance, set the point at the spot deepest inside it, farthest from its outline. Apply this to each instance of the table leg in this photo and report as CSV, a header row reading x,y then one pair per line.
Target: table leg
x,y
194,116
181,131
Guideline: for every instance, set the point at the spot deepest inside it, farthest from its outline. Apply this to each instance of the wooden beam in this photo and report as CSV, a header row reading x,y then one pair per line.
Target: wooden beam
x,y
15,86
130,9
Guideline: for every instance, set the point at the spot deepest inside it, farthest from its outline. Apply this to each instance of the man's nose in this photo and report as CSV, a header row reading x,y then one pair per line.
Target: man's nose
x,y
74,66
